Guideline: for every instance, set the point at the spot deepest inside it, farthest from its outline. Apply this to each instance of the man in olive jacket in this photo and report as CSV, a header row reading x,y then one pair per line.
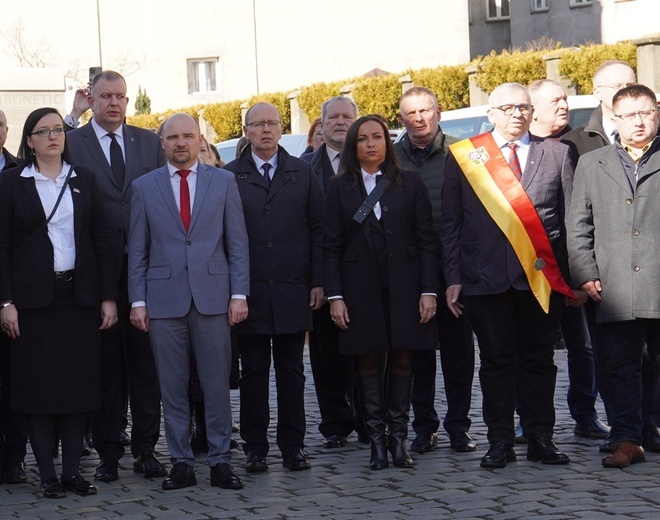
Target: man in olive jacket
x,y
424,149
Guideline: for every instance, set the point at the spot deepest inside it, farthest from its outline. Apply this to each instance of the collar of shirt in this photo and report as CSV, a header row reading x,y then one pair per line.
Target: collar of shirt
x,y
636,153
369,179
260,162
521,152
173,169
175,182
31,171
101,132
610,130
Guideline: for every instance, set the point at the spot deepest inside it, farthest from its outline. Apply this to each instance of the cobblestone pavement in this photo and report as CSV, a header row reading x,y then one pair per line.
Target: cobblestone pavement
x,y
443,484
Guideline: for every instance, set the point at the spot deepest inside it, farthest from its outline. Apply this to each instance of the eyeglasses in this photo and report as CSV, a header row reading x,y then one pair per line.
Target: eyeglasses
x,y
644,114
263,124
617,86
46,133
508,110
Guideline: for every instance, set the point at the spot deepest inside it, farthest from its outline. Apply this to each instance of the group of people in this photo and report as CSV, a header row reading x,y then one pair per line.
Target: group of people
x,y
125,255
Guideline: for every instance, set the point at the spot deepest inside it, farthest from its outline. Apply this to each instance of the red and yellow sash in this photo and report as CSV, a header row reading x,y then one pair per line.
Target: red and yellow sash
x,y
506,201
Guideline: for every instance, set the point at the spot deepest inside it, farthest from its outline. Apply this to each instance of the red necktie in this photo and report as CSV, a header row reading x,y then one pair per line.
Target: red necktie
x,y
513,160
184,199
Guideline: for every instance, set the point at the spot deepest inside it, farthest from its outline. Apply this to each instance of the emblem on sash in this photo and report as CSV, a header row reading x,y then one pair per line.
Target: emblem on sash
x,y
479,156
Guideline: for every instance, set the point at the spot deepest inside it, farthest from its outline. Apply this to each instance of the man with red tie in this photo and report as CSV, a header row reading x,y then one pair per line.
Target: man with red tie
x,y
503,208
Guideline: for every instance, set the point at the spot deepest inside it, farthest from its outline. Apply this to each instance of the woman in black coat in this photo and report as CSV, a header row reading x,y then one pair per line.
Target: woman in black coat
x,y
57,289
381,278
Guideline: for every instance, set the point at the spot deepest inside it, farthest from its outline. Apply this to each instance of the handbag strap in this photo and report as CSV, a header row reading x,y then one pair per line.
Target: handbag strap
x,y
368,204
52,213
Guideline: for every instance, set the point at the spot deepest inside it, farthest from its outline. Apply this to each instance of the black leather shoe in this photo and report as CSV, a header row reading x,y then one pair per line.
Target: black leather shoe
x,y
255,463
148,464
107,470
78,485
462,442
2,474
498,454
233,444
608,445
181,475
650,439
544,450
334,441
124,438
223,477
15,474
595,429
424,442
296,460
53,489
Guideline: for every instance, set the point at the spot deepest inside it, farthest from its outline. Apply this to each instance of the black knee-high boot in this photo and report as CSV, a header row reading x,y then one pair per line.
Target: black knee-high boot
x,y
372,404
399,393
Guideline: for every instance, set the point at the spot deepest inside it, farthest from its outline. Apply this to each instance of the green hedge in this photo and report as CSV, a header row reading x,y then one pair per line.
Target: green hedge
x,y
381,94
579,67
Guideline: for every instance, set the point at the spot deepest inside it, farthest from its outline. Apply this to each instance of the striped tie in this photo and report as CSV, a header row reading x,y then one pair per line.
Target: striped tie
x,y
513,160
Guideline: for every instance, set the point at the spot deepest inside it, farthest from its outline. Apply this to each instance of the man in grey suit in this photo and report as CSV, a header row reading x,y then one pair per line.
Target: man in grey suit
x,y
188,259
503,207
118,154
613,243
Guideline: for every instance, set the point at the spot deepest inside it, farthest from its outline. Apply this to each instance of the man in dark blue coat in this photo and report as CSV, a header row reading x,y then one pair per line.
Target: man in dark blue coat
x,y
283,206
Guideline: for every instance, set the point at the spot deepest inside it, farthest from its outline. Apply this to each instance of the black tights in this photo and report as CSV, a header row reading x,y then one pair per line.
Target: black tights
x,y
399,362
71,427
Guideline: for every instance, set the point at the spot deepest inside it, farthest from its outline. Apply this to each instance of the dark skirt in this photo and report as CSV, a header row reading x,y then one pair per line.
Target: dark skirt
x,y
56,362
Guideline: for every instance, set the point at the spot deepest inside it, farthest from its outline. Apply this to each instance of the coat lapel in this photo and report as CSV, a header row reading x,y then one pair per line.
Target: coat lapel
x,y
91,142
32,194
76,195
202,188
130,152
164,184
610,163
532,166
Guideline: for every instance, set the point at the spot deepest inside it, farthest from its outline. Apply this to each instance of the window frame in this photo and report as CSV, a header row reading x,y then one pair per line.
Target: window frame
x,y
202,71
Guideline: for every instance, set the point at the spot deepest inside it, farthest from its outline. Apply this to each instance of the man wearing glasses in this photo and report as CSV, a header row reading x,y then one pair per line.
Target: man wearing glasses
x,y
613,241
504,249
283,208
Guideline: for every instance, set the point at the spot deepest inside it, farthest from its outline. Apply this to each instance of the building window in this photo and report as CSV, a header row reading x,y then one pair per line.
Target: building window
x,y
498,9
202,75
539,6
581,3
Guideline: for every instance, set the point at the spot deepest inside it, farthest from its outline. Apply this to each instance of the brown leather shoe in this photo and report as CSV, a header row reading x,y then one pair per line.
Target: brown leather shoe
x,y
625,453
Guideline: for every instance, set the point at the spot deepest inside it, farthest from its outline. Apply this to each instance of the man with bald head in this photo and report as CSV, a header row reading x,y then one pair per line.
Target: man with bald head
x,y
503,207
188,263
283,206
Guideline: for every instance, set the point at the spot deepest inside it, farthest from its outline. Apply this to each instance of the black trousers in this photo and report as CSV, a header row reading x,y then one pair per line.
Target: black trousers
x,y
457,358
13,425
333,376
126,360
516,349
287,351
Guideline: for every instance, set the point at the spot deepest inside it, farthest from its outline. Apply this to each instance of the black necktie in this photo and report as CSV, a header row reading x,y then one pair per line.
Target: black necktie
x,y
266,167
117,161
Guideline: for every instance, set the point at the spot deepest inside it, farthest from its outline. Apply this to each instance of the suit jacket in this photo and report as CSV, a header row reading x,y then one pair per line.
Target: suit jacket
x,y
10,160
170,268
477,254
350,268
26,276
285,230
613,233
587,137
320,165
143,154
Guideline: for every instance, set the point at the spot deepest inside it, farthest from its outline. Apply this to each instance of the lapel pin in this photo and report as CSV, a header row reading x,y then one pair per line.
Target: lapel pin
x,y
76,190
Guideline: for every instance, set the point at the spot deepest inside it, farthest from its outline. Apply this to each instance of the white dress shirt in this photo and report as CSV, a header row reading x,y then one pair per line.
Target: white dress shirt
x,y
259,163
522,152
105,140
60,228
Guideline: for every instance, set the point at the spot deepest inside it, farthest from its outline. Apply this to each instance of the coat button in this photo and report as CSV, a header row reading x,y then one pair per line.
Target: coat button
x,y
636,232
389,231
636,268
188,242
384,208
392,255
269,244
629,200
271,282
267,207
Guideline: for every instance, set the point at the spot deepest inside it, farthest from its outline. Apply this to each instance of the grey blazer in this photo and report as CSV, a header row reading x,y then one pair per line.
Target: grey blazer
x,y
613,234
170,268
